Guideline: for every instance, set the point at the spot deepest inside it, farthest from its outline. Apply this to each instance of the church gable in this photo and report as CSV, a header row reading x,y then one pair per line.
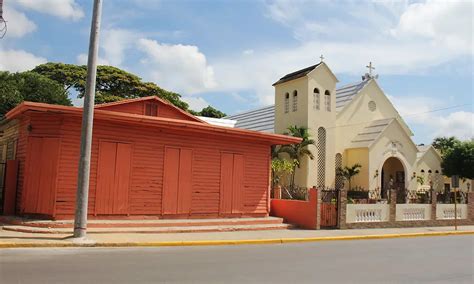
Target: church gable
x,y
150,106
394,135
368,104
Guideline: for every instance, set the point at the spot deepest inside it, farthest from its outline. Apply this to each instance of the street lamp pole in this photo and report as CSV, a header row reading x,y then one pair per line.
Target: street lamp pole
x,y
80,220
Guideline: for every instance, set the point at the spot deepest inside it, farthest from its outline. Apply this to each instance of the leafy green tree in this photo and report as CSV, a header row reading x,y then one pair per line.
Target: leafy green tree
x,y
29,86
347,173
112,84
443,144
211,112
459,160
280,169
298,151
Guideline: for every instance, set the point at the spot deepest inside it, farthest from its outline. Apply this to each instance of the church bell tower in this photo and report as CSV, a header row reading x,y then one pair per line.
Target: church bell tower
x,y
307,98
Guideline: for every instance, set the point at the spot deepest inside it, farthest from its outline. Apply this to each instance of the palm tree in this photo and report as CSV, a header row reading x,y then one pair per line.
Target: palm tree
x,y
348,173
297,151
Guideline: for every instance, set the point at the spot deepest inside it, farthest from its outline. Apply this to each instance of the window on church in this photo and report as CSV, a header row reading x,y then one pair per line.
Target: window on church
x,y
295,100
327,100
151,109
287,102
321,147
316,99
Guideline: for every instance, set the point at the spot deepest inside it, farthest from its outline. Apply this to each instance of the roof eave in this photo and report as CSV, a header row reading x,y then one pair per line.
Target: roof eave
x,y
273,139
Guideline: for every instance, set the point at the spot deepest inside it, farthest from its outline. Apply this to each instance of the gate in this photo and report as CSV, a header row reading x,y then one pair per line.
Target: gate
x,y
329,201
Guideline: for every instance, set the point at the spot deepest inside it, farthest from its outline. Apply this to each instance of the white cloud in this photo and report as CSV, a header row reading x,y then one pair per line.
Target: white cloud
x,y
18,60
176,67
379,32
445,22
248,52
65,9
418,111
195,103
81,59
115,42
18,24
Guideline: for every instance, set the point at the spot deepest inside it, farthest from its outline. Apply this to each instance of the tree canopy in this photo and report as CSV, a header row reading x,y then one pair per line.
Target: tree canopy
x,y
347,173
298,151
54,82
112,83
443,144
211,112
29,86
459,160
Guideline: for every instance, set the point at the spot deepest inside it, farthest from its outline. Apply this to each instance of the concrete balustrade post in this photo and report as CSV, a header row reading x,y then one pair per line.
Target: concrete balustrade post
x,y
341,209
318,208
434,201
470,206
393,205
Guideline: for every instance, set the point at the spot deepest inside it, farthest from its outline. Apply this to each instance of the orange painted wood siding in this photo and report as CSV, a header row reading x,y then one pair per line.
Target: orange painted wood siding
x,y
113,178
139,108
41,173
177,189
147,168
232,177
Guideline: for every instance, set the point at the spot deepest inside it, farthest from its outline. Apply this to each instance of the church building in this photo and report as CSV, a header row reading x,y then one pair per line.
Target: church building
x,y
351,124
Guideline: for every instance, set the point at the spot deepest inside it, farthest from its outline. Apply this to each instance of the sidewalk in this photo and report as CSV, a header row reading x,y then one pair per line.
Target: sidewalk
x,y
9,239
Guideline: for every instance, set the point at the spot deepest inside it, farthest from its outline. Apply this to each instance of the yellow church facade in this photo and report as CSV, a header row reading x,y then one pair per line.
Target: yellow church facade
x,y
352,124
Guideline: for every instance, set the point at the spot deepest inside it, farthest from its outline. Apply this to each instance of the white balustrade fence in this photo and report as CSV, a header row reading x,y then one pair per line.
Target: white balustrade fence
x,y
413,212
446,211
357,213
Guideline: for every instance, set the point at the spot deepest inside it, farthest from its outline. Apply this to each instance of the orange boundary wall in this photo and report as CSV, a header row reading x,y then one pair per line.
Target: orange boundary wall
x,y
297,212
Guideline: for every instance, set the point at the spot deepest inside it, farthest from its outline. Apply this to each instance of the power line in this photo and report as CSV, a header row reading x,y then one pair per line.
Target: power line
x,y
412,114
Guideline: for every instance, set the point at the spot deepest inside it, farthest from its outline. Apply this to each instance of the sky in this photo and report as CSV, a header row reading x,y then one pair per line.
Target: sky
x,y
228,53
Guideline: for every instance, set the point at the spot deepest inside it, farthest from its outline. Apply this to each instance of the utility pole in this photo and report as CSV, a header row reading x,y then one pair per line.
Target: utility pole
x,y
82,196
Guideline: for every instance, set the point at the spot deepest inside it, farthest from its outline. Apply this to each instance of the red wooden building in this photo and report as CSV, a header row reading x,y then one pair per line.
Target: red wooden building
x,y
149,158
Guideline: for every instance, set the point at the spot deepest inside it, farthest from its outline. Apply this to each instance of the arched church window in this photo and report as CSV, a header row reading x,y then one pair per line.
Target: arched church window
x,y
295,100
316,99
327,100
339,179
321,147
287,102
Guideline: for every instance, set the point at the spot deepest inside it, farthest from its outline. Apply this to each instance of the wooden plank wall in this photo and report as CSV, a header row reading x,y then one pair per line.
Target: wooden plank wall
x,y
139,108
148,146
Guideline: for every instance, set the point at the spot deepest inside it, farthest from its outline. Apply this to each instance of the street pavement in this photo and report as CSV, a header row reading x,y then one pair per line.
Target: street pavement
x,y
447,259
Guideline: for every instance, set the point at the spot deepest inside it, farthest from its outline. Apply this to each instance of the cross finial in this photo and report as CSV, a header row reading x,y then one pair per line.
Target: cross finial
x,y
370,67
322,58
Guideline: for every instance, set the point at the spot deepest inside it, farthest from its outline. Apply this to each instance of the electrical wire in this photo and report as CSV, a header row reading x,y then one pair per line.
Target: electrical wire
x,y
407,115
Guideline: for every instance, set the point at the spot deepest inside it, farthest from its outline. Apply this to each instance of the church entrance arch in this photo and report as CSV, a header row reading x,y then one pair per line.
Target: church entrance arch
x,y
392,177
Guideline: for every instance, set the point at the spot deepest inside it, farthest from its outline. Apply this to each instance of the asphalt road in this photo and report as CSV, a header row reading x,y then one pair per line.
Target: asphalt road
x,y
411,260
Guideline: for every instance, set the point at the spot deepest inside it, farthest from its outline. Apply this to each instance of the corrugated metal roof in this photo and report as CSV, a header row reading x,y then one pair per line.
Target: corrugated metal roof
x,y
370,133
262,119
345,94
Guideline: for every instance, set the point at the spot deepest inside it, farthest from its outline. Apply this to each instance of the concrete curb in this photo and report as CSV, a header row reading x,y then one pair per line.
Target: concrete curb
x,y
230,242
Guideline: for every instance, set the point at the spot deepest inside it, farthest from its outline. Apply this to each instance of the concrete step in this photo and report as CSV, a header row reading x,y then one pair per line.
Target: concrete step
x,y
151,230
16,221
